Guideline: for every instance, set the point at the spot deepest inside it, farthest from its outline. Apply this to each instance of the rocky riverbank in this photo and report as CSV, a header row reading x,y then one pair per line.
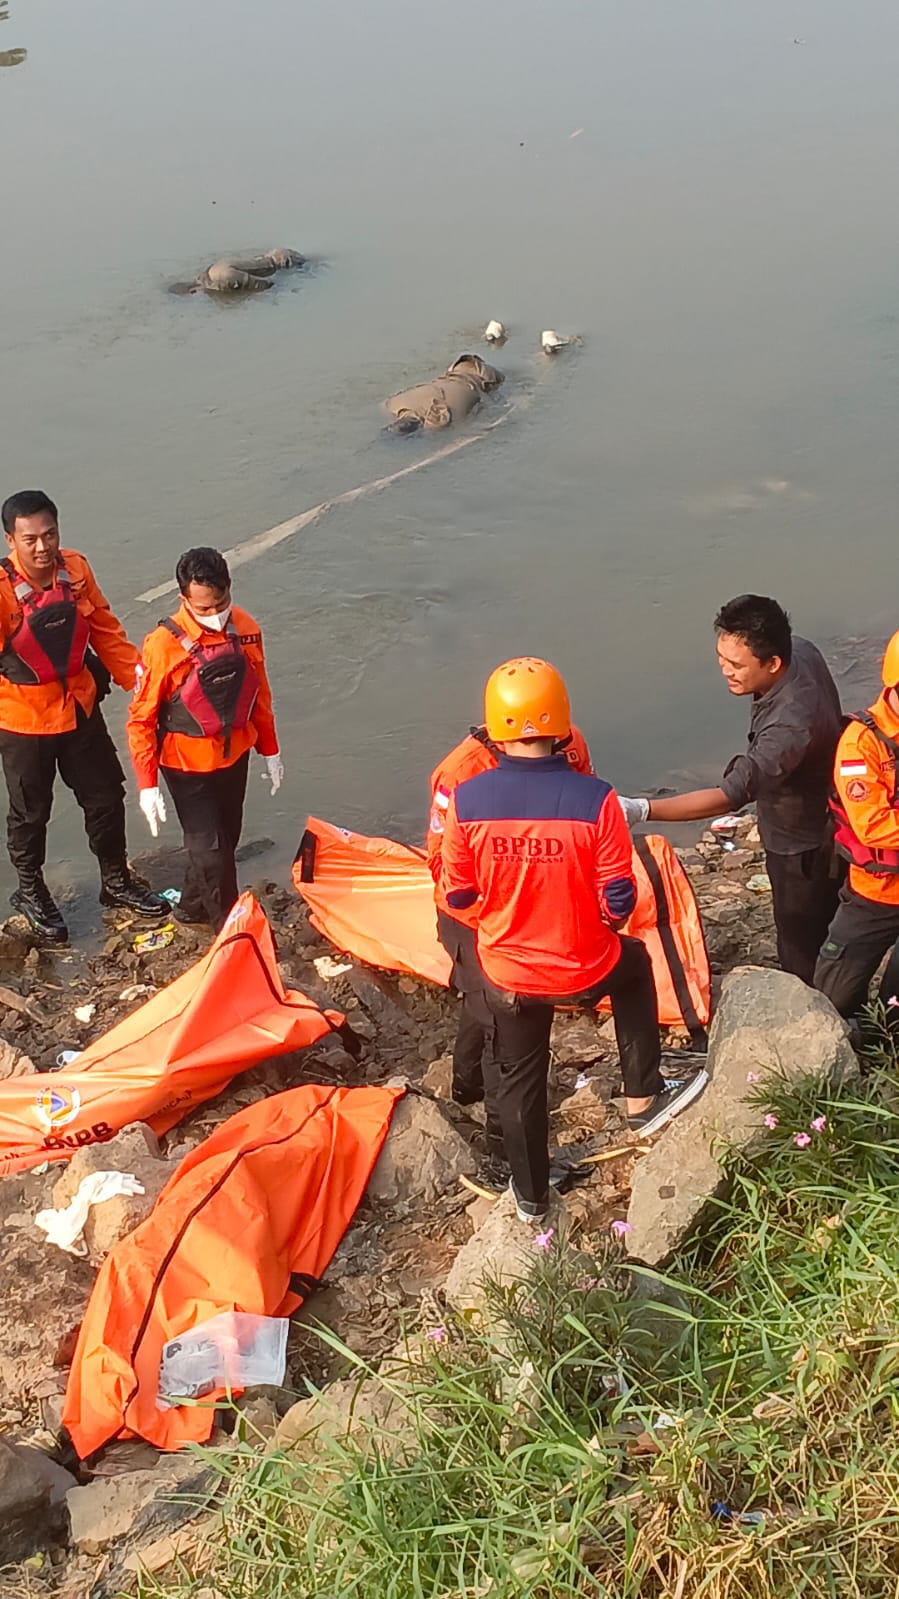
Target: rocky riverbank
x,y
419,1212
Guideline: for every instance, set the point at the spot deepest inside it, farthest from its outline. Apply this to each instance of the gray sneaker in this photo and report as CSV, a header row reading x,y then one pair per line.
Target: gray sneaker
x,y
668,1104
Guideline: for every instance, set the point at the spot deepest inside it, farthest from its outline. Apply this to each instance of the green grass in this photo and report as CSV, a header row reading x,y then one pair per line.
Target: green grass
x,y
772,1344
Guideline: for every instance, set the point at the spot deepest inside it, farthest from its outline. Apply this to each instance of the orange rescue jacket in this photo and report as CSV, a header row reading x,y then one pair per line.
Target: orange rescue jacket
x,y
166,668
865,780
48,708
545,854
477,753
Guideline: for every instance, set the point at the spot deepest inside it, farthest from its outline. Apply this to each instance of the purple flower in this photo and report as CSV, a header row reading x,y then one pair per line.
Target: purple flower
x,y
819,1124
770,1121
752,1077
621,1228
802,1140
543,1240
437,1335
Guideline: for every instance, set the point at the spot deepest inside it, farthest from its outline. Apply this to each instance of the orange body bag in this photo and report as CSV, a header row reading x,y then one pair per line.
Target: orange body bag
x,y
375,899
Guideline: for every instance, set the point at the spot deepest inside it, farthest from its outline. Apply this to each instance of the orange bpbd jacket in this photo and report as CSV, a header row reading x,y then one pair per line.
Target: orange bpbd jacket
x,y
166,666
546,854
866,780
477,753
47,708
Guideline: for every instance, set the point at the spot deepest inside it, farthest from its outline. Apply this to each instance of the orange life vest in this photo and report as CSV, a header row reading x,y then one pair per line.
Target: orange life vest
x,y
248,1222
375,899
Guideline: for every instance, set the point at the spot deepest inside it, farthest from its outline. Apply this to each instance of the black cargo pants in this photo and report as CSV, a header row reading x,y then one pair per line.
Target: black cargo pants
x,y
858,938
805,890
87,762
516,1071
210,810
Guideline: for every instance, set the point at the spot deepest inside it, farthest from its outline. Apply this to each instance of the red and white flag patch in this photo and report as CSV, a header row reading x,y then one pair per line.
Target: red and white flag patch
x,y
855,768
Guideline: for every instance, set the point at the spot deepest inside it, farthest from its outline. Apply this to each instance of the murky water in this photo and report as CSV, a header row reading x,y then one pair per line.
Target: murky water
x,y
704,192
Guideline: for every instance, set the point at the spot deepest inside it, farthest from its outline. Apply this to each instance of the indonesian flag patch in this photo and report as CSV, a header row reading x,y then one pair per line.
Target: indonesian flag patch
x,y
442,798
853,768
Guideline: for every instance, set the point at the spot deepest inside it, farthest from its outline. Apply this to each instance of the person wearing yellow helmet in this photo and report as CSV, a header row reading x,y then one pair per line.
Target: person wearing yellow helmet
x,y
542,855
866,812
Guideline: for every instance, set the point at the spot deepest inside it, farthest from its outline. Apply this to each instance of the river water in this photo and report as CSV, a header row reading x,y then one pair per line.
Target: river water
x,y
705,193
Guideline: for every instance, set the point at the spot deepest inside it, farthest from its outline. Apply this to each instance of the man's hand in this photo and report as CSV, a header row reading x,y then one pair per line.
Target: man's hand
x,y
635,810
153,806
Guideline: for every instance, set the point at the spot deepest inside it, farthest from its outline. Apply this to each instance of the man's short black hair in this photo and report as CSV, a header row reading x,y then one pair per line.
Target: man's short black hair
x,y
761,623
203,565
28,502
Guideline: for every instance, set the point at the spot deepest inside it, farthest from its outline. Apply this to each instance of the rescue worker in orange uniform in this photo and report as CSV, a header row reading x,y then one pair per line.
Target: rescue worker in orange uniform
x,y
203,704
866,809
456,930
542,853
59,647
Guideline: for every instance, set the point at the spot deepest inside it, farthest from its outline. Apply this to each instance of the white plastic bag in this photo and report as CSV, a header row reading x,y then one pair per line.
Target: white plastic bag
x,y
233,1350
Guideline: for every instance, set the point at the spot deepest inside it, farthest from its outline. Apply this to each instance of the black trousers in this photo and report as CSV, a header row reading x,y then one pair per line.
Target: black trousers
x,y
210,810
804,889
860,934
516,1071
475,1028
87,762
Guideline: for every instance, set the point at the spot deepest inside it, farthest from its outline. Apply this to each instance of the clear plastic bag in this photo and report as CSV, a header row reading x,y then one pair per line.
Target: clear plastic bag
x,y
233,1350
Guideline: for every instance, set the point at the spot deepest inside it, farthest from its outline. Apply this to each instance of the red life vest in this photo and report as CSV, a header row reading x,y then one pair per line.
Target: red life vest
x,y
877,862
220,689
50,643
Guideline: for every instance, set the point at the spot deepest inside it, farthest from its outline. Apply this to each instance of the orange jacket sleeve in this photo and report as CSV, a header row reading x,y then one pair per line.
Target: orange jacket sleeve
x,y
263,712
458,877
107,635
441,790
613,874
142,727
865,781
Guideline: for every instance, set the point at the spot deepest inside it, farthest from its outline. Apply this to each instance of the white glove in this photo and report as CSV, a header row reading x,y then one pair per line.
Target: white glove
x,y
635,810
274,771
64,1227
153,806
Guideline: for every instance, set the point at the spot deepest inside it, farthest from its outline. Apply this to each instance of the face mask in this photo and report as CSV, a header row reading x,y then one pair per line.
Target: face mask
x,y
217,622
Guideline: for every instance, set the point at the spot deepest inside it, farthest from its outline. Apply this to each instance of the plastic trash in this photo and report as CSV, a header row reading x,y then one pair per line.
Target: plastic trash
x,y
232,1350
157,938
85,1013
66,1056
327,967
173,895
495,332
551,341
725,831
581,1081
64,1227
759,883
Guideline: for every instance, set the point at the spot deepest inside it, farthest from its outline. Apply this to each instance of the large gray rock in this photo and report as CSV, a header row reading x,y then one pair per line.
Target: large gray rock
x,y
116,1511
135,1150
503,1249
423,1156
767,1024
32,1516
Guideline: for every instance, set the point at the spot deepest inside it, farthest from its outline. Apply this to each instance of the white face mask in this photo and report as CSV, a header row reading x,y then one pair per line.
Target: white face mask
x,y
218,621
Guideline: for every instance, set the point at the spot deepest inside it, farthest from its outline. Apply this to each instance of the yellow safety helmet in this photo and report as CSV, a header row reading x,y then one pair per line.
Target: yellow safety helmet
x,y
890,669
526,698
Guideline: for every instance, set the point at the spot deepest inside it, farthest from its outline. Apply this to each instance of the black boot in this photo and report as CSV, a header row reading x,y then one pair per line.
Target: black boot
x,y
33,900
122,892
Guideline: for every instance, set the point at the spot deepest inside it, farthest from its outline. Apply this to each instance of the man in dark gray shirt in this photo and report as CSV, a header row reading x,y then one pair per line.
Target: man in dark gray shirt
x,y
787,770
